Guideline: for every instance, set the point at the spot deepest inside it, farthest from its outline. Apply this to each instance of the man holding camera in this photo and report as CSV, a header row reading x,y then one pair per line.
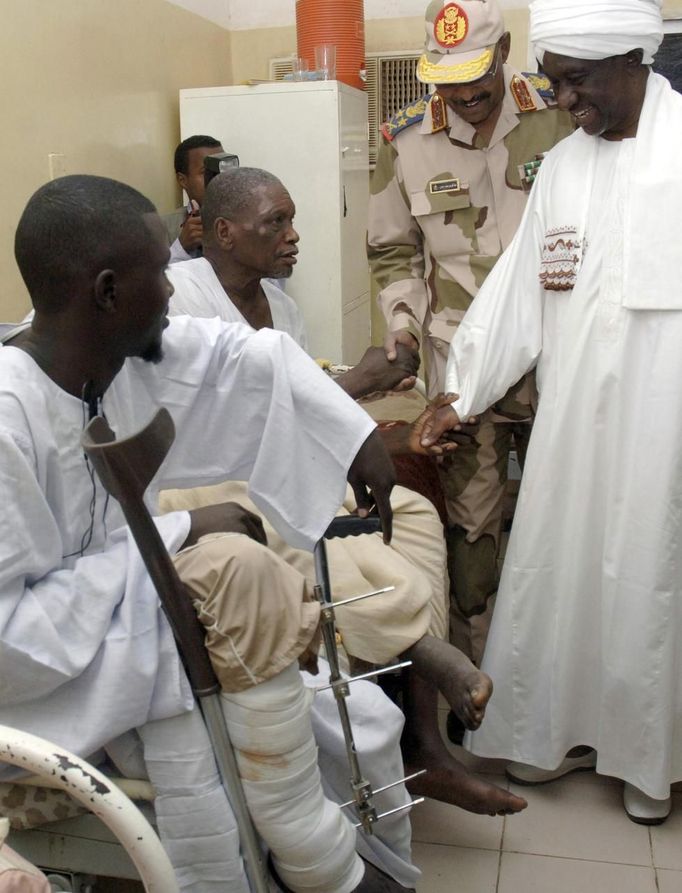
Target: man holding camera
x,y
184,224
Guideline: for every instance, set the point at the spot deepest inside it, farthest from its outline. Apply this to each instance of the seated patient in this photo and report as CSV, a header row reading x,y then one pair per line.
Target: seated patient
x,y
248,235
86,653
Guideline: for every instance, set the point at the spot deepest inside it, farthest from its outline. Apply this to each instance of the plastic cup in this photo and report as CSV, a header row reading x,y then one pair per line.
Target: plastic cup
x,y
299,68
325,61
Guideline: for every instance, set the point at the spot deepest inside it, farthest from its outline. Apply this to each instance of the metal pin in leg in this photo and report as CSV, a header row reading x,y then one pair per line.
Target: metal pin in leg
x,y
381,671
387,787
358,598
383,815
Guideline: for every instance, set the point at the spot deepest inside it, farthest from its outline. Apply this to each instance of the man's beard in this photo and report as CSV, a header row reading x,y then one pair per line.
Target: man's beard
x,y
153,353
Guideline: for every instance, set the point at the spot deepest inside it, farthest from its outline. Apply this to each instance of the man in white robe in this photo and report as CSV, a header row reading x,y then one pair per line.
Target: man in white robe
x,y
86,653
584,647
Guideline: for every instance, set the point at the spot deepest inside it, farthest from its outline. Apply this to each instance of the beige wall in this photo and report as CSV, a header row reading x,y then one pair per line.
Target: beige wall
x,y
97,81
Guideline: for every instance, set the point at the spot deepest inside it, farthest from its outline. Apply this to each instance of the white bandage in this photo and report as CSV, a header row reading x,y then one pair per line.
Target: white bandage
x,y
195,821
312,842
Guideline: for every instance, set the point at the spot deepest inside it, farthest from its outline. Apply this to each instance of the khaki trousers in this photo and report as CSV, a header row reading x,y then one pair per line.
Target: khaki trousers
x,y
377,629
257,611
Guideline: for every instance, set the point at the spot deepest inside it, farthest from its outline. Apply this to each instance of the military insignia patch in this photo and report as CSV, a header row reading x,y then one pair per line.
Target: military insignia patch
x,y
451,26
407,116
439,115
521,93
541,84
452,185
528,171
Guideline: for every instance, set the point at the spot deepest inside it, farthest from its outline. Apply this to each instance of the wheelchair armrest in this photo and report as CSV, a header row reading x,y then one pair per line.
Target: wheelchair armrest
x,y
352,525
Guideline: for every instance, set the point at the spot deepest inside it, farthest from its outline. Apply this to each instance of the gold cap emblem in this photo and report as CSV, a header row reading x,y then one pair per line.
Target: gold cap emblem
x,y
451,26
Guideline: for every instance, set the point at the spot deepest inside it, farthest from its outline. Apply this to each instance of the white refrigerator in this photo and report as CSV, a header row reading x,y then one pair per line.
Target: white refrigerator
x,y
313,136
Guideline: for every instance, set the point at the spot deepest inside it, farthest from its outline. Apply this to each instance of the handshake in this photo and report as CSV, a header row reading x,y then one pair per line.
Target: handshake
x,y
442,430
436,432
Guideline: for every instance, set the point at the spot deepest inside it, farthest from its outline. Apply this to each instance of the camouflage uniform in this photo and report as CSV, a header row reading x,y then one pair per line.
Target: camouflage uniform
x,y
443,208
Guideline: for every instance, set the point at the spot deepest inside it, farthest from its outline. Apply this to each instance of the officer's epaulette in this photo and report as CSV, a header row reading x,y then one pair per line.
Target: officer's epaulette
x,y
542,85
414,113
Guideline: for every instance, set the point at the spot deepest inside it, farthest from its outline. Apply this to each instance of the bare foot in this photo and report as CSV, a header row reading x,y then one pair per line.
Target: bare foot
x,y
466,689
447,780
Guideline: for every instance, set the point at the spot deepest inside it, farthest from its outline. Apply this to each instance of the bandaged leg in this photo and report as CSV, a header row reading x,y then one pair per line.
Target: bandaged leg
x,y
312,842
194,817
258,621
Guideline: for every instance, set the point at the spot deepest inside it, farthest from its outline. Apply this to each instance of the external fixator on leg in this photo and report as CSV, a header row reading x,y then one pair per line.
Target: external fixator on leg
x,y
363,794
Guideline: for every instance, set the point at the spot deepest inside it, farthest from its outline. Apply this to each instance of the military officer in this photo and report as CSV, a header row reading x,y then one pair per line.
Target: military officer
x,y
451,182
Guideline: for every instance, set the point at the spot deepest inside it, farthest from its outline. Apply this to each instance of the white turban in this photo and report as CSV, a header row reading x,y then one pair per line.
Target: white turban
x,y
595,29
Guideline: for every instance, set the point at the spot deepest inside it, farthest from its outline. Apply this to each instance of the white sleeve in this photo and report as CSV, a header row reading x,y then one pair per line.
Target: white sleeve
x,y
500,337
253,406
55,615
186,301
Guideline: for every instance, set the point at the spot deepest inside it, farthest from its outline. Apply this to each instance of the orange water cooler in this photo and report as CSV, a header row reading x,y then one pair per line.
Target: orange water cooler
x,y
340,23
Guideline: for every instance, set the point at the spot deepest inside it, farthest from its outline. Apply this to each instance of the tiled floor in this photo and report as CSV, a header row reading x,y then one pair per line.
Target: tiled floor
x,y
574,837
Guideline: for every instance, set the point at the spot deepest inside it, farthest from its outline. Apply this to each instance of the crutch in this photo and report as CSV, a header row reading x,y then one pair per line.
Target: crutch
x,y
363,794
126,468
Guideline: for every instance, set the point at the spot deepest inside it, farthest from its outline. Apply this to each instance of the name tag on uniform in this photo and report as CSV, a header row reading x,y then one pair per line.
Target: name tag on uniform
x,y
451,185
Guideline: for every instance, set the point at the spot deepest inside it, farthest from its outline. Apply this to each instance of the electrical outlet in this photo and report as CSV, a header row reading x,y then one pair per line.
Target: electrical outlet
x,y
57,165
